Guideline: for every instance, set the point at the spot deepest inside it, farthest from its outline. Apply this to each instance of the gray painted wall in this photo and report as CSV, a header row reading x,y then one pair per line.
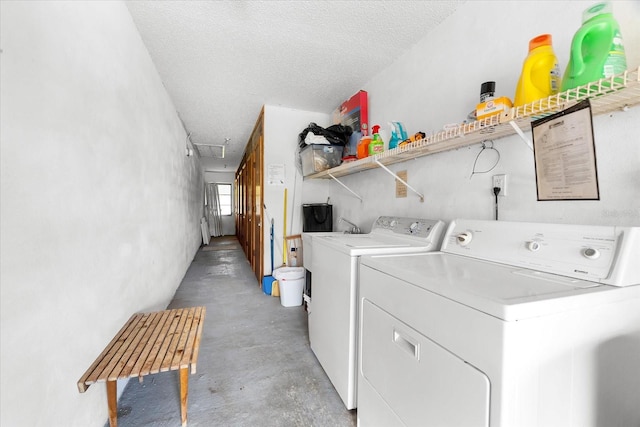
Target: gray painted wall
x,y
281,128
438,82
100,208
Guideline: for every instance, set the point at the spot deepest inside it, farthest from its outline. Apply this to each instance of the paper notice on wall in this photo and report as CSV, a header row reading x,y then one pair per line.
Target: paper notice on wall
x,y
401,189
275,174
565,155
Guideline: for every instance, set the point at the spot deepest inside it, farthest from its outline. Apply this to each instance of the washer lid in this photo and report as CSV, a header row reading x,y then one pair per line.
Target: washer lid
x,y
509,293
373,244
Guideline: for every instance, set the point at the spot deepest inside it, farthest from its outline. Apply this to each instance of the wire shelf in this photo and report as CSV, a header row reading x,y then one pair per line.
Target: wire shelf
x,y
606,95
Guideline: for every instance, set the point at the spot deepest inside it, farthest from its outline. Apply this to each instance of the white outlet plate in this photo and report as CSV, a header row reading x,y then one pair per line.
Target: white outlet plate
x,y
500,181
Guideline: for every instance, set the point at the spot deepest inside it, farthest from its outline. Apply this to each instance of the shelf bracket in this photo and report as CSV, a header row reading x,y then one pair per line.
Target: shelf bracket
x,y
526,140
347,188
400,179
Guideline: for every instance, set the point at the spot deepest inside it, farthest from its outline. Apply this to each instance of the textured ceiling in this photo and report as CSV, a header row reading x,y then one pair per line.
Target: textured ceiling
x,y
221,61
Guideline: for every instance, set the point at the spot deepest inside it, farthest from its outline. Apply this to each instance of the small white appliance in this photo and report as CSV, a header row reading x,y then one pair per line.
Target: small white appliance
x,y
510,324
334,314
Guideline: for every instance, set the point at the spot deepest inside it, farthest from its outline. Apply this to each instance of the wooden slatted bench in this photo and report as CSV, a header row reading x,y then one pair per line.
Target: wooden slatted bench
x,y
147,344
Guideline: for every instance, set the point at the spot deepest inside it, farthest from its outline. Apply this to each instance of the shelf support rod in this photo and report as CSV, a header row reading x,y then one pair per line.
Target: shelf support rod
x,y
400,179
526,140
347,188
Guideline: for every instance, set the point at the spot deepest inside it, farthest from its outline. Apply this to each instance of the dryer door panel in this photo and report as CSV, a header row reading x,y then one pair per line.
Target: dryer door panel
x,y
423,383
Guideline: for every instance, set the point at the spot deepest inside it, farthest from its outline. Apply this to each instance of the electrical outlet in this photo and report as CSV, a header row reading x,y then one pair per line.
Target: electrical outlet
x,y
500,181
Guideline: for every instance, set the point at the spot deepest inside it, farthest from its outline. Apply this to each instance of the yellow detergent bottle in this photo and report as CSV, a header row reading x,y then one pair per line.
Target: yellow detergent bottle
x,y
540,76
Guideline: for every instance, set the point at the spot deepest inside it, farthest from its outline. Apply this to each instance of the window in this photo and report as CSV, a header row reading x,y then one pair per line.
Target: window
x,y
224,192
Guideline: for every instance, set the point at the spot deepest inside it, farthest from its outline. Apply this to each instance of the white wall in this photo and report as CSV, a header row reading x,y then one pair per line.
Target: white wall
x,y
281,128
438,82
100,206
228,222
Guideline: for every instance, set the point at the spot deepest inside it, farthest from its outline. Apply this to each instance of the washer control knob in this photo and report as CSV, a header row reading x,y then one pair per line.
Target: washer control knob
x,y
533,246
414,227
591,253
464,238
393,223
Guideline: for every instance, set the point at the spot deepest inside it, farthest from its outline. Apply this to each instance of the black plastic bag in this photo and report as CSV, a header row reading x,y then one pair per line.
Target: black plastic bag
x,y
335,134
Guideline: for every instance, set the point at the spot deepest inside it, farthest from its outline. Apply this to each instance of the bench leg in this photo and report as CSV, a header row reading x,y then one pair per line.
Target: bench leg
x,y
112,401
184,392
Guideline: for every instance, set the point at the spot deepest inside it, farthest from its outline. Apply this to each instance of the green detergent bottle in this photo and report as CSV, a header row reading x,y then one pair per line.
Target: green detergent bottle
x,y
596,50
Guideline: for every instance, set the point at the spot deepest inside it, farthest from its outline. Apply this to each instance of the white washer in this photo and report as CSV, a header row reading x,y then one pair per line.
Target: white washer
x,y
510,324
307,245
334,317
307,256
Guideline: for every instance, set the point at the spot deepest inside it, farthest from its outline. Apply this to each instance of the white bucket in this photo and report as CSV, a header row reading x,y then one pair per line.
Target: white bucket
x,y
291,284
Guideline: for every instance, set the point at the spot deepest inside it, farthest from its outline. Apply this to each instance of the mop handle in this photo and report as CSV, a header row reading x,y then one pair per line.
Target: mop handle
x,y
271,245
284,231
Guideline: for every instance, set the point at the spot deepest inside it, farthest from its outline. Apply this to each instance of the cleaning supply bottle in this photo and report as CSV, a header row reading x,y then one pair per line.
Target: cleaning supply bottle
x,y
596,50
376,146
398,134
540,76
363,147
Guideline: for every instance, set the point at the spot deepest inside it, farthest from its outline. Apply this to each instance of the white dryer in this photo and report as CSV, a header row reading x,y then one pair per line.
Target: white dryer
x,y
334,317
510,324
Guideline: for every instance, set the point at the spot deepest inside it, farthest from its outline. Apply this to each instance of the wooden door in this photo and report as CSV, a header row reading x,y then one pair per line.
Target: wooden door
x,y
241,213
250,208
237,185
250,200
258,203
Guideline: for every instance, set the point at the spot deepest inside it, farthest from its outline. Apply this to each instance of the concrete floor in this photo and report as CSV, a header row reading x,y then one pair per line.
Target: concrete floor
x,y
255,367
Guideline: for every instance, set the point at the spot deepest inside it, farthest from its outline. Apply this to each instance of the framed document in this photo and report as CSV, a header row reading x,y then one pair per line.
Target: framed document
x,y
565,155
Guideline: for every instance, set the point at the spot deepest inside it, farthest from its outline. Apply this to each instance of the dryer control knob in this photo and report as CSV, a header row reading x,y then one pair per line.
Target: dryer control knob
x,y
533,246
591,253
464,238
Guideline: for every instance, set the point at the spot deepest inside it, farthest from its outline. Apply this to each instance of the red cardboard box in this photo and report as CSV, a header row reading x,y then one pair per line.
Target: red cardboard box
x,y
353,112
